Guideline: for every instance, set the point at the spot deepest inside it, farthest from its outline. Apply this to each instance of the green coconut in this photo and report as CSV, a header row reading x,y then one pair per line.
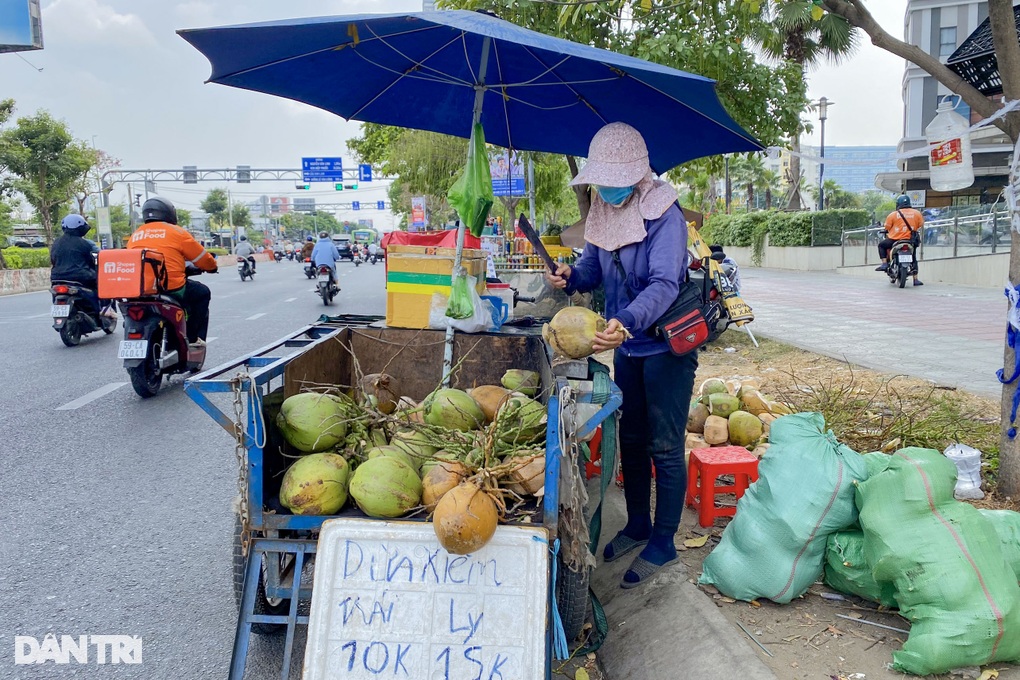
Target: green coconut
x,y
571,331
454,410
385,487
519,380
393,452
315,484
415,444
713,386
313,422
437,458
722,405
745,428
521,420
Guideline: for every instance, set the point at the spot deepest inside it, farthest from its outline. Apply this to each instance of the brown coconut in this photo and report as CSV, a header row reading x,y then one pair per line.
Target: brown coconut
x,y
716,430
489,398
696,418
441,477
465,519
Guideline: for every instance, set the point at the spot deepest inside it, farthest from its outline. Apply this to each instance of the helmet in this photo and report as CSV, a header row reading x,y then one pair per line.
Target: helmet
x,y
902,201
75,225
158,209
309,238
323,234
242,237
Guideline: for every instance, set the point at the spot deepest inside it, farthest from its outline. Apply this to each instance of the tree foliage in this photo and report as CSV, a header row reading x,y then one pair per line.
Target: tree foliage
x,y
44,162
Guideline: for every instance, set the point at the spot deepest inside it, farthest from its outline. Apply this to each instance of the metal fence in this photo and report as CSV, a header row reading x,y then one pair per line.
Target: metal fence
x,y
943,238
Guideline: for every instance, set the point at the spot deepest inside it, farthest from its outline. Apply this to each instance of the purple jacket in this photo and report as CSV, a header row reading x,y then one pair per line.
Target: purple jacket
x,y
654,267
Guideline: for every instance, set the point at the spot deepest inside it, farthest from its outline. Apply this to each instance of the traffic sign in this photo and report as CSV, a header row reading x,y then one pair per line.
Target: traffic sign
x,y
365,172
322,169
380,205
355,205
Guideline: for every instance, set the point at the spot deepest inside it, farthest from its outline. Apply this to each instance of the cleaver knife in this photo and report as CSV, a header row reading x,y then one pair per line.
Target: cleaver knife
x,y
529,232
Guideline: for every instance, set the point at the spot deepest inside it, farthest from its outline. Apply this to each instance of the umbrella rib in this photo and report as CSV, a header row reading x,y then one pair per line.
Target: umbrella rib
x,y
506,113
553,73
421,63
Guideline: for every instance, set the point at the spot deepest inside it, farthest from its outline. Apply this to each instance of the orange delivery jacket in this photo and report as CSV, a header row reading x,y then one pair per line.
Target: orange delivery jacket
x,y
898,231
177,247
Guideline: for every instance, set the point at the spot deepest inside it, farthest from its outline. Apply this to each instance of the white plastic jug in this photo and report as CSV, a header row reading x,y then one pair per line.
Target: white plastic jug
x,y
950,163
968,468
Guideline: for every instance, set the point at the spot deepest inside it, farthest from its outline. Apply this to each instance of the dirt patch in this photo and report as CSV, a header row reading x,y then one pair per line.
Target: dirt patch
x,y
810,638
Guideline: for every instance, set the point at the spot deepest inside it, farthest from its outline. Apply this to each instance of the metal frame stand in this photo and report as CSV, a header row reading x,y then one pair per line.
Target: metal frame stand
x,y
247,616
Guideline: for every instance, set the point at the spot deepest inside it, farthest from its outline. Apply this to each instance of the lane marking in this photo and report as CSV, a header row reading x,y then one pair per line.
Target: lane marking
x,y
36,316
91,396
290,299
256,316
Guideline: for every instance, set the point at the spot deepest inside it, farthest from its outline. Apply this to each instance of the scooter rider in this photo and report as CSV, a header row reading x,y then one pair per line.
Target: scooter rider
x,y
244,249
325,253
161,233
72,258
373,251
307,248
904,223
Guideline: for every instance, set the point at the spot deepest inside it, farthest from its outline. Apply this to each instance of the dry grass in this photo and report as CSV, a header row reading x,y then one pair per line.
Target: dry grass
x,y
865,409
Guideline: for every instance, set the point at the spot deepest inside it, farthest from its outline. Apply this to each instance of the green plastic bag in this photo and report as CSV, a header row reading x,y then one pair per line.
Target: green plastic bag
x,y
471,195
460,305
944,560
1007,526
775,545
847,569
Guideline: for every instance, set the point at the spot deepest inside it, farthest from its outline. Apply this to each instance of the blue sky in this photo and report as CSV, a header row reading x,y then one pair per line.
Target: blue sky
x,y
116,70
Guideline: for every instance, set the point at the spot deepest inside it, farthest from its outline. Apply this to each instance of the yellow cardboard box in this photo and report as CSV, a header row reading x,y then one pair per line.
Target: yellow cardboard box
x,y
414,273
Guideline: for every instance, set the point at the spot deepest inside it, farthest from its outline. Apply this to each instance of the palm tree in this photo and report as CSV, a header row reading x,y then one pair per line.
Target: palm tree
x,y
772,182
804,34
749,171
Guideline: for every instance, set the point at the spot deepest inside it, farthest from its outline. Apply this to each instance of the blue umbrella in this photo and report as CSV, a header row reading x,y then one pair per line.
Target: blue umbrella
x,y
440,71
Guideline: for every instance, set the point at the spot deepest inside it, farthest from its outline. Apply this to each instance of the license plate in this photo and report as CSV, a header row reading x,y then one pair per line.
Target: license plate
x,y
906,259
132,349
324,277
60,311
240,266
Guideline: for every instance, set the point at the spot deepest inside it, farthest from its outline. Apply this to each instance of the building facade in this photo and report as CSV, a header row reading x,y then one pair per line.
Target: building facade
x,y
939,27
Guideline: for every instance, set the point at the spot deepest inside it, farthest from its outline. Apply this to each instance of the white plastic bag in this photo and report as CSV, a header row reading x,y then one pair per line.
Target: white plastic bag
x,y
968,471
481,318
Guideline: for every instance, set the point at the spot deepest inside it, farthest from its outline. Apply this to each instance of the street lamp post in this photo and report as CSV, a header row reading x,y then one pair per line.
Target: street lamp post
x,y
823,113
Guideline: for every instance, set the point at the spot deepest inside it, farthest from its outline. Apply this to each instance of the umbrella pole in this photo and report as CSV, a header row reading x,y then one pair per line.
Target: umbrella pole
x,y
476,117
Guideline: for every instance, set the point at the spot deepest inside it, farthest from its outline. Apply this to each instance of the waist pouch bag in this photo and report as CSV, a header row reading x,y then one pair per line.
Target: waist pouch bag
x,y
690,321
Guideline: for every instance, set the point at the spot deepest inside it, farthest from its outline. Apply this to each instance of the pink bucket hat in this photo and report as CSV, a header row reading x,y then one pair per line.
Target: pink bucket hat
x,y
617,157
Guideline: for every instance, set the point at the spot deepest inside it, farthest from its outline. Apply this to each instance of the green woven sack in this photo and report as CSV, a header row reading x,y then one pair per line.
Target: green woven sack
x,y
775,545
1007,526
944,560
847,570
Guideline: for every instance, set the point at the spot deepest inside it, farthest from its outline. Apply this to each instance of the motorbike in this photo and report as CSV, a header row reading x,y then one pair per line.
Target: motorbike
x,y
374,257
75,312
357,259
155,341
326,288
278,255
902,262
244,269
309,268
290,255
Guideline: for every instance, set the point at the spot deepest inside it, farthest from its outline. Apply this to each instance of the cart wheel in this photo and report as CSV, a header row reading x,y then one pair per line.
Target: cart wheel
x,y
262,603
572,598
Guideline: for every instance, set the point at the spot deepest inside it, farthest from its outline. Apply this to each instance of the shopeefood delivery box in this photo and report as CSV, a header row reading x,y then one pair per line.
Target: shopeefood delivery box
x,y
414,273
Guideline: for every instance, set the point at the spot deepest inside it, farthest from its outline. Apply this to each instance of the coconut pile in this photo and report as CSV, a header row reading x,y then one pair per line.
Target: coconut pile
x,y
732,413
468,458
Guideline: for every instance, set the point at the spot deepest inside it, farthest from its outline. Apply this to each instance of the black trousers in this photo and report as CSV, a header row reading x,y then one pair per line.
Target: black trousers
x,y
196,296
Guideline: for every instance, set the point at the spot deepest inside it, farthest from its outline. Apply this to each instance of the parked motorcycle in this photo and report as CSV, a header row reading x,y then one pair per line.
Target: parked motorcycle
x,y
309,268
902,262
155,341
327,288
244,268
75,312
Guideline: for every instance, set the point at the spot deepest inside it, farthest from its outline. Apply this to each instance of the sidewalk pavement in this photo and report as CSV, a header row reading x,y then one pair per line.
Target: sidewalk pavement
x,y
952,335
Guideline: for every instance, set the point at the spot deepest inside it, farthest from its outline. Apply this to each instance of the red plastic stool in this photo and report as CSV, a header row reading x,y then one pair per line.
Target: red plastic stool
x,y
706,465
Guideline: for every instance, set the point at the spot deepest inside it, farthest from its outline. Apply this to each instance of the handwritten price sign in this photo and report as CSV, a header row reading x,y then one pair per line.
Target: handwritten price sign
x,y
390,602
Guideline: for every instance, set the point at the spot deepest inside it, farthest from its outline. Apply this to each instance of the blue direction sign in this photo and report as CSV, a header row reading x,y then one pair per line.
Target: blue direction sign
x,y
322,170
364,172
380,205
355,205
